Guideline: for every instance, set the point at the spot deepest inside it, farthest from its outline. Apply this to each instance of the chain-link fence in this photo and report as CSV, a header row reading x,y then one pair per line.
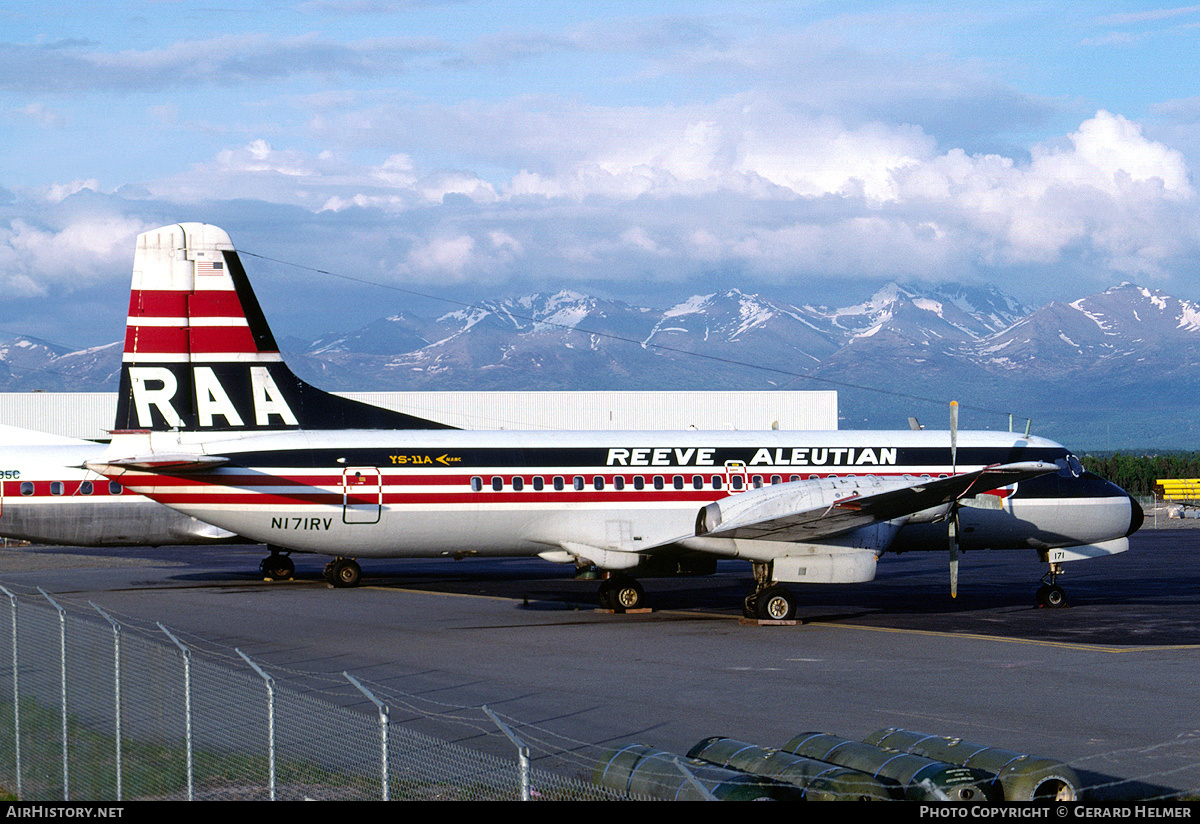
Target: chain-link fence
x,y
91,710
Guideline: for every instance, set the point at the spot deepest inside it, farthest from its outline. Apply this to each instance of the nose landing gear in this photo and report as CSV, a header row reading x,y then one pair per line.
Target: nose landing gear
x,y
1050,594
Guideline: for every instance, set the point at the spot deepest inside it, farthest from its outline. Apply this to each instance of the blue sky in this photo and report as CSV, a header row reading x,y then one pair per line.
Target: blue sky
x,y
642,151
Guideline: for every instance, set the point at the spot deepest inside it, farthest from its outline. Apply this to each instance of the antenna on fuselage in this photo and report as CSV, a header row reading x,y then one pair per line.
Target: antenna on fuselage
x,y
1028,424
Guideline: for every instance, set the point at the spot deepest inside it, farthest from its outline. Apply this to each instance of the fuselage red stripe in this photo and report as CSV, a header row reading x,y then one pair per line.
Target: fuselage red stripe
x,y
13,489
225,498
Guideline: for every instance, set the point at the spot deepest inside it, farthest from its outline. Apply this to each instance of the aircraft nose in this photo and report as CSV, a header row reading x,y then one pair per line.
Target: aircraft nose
x,y
1137,516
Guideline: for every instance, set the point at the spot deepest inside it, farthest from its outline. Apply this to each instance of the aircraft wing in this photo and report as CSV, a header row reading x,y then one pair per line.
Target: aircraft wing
x,y
802,511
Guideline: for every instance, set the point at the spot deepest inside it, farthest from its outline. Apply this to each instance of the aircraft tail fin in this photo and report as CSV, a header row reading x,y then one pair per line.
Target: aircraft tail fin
x,y
199,354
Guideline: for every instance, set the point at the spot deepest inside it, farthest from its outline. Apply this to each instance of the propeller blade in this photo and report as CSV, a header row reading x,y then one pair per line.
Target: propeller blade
x,y
954,554
954,435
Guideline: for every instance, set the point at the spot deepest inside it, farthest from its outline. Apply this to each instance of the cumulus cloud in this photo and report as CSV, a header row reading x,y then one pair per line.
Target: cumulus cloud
x,y
746,184
38,259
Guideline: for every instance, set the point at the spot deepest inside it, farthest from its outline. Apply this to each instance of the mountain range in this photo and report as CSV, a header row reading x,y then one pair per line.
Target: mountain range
x,y
1114,370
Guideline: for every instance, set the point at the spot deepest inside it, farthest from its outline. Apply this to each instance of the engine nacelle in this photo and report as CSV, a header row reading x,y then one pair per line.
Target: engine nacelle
x,y
847,567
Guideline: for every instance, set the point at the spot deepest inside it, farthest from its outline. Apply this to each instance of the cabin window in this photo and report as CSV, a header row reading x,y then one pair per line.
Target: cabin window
x,y
598,482
497,483
518,483
538,483
476,484
559,483
776,479
716,479
639,482
618,482
26,487
793,478
736,482
677,482
56,487
115,488
697,482
658,482
758,481
578,483
85,488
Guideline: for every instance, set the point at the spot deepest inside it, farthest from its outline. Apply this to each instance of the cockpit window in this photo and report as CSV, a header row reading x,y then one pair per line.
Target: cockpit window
x,y
1069,466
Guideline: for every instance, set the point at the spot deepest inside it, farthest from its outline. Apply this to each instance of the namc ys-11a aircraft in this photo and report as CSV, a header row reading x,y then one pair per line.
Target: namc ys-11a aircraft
x,y
211,422
48,497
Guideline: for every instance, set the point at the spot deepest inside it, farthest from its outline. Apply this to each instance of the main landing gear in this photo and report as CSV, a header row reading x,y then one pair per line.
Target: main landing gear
x,y
621,593
343,572
277,566
1050,594
769,601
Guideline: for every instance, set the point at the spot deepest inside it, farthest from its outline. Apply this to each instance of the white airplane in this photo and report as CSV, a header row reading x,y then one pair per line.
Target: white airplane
x,y
48,497
212,423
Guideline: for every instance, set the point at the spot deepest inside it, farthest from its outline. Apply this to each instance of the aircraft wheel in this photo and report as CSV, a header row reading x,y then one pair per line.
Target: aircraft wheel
x,y
749,609
344,572
1052,596
277,567
622,594
605,595
628,595
775,603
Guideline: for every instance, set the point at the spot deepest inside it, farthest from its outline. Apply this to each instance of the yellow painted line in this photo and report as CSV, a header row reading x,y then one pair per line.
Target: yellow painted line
x,y
409,591
1006,640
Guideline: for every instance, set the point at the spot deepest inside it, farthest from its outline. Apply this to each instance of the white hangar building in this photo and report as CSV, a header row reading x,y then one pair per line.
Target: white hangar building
x,y
90,414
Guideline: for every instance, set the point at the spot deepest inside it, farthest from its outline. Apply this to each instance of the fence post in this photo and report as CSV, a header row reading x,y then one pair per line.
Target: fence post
x,y
16,691
187,706
384,720
62,671
522,753
116,628
270,719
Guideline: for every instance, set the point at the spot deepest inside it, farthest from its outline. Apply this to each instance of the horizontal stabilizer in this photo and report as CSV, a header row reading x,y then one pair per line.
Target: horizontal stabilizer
x,y
164,462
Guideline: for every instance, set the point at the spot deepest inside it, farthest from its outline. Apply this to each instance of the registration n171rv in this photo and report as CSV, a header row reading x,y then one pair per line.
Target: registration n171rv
x,y
211,422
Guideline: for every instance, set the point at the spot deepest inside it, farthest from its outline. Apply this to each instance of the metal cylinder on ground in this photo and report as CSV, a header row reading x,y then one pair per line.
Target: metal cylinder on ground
x,y
642,771
820,780
911,777
1022,777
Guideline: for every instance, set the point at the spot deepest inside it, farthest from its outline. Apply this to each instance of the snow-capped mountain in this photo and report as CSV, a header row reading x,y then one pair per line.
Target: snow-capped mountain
x,y
1079,369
